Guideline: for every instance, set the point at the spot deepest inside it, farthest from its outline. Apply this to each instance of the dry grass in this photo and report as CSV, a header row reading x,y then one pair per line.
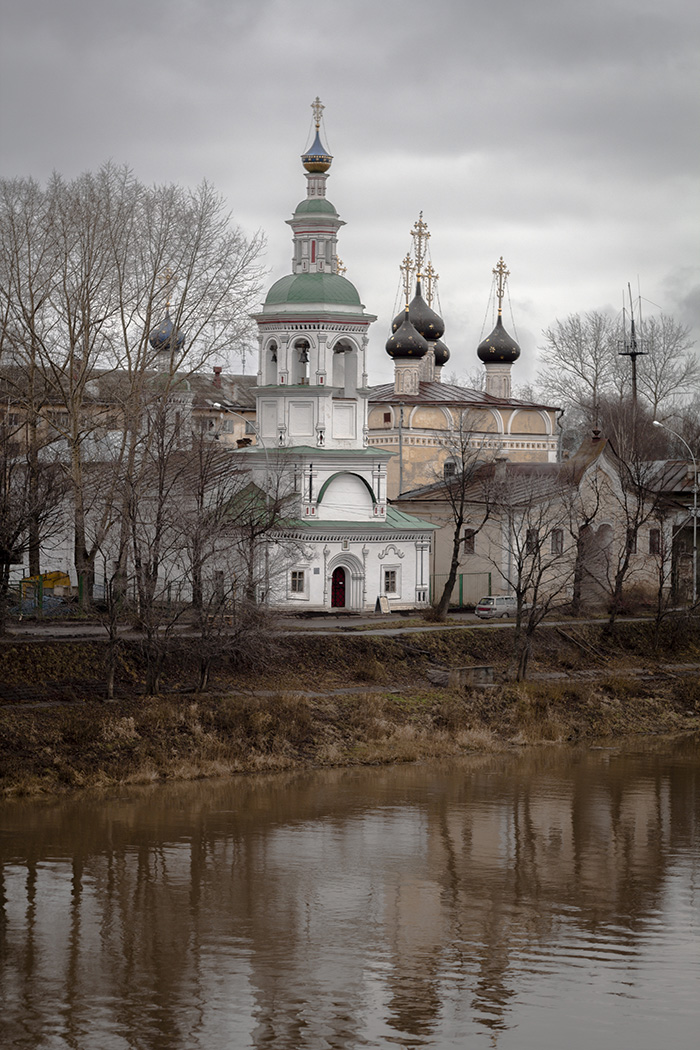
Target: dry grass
x,y
141,740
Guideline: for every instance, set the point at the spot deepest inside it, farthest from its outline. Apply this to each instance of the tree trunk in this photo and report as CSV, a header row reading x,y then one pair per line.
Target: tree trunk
x,y
4,596
34,540
442,607
204,671
524,657
576,599
616,599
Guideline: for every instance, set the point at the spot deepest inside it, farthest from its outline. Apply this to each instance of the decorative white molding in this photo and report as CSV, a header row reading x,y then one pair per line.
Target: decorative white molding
x,y
391,547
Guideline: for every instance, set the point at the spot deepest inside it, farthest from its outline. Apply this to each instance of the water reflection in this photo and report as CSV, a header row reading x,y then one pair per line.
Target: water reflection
x,y
511,902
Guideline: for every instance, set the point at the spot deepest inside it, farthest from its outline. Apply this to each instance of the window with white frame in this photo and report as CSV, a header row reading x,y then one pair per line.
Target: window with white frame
x,y
469,541
655,541
391,581
557,541
297,581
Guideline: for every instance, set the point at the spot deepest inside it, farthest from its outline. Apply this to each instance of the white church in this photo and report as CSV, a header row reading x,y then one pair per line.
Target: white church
x,y
350,548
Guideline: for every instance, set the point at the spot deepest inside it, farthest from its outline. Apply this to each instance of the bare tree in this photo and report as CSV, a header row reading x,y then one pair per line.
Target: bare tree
x,y
584,371
661,555
581,364
27,265
669,369
531,557
92,265
638,502
225,522
31,503
474,380
465,448
582,510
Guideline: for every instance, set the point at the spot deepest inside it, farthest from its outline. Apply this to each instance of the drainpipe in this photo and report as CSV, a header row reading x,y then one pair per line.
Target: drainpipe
x,y
400,449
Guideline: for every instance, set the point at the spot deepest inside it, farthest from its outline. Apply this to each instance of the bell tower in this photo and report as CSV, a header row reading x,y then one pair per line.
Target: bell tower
x,y
312,330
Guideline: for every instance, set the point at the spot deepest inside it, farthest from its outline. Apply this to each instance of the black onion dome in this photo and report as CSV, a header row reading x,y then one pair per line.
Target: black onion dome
x,y
499,346
430,325
398,321
164,336
317,158
406,341
442,354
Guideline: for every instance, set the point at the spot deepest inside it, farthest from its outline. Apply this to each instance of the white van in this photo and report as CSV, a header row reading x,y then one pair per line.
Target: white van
x,y
495,606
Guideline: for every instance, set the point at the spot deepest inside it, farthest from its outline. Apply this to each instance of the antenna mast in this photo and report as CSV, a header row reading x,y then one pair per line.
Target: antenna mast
x,y
631,347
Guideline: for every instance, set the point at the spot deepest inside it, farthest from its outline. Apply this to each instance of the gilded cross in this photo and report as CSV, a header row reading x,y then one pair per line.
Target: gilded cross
x,y
167,282
338,264
420,235
432,279
407,269
317,108
502,274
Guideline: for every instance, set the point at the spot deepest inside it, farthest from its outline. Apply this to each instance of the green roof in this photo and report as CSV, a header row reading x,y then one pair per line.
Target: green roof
x,y
396,520
308,288
315,207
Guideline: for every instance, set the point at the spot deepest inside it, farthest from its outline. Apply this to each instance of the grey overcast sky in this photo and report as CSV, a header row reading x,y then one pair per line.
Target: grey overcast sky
x,y
561,135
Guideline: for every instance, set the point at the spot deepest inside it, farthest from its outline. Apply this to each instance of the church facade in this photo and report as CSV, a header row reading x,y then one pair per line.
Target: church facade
x,y
345,546
426,422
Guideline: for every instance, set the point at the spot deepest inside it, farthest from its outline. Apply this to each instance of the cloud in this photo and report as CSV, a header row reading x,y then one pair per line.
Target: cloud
x,y
553,133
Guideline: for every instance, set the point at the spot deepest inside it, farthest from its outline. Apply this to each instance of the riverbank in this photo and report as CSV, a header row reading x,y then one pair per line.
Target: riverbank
x,y
332,700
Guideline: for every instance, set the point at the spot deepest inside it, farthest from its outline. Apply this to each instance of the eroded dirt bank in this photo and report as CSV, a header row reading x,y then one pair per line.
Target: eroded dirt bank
x,y
335,700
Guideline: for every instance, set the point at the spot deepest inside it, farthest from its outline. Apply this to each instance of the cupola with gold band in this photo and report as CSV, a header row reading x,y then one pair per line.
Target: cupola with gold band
x,y
317,158
164,336
316,281
167,340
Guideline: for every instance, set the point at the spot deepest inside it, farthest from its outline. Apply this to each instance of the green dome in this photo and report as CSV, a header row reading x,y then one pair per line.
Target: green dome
x,y
320,206
310,288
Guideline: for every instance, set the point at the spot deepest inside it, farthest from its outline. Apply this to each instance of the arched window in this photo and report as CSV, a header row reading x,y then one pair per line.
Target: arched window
x,y
270,374
301,362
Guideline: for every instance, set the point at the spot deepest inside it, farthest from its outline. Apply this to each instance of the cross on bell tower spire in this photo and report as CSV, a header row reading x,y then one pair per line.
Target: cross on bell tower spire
x,y
502,274
317,108
431,279
407,269
420,234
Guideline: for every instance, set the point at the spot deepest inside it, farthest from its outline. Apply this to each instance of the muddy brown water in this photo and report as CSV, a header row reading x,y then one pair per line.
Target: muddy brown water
x,y
544,900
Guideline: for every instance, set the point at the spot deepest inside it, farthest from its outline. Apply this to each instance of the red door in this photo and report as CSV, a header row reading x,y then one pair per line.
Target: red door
x,y
338,589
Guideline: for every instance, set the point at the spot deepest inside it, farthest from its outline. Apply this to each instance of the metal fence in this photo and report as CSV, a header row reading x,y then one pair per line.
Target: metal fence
x,y
468,588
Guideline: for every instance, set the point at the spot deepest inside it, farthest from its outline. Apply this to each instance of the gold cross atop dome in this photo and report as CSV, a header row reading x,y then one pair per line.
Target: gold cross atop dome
x,y
167,283
502,274
420,235
317,108
431,279
407,268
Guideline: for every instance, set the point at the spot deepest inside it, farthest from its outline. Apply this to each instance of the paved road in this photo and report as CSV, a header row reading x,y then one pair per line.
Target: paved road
x,y
382,625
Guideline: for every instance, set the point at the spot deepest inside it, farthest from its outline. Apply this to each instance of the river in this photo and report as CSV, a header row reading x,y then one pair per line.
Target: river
x,y
542,900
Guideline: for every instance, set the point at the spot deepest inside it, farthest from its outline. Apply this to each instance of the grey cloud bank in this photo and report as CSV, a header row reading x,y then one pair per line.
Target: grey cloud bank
x,y
561,137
